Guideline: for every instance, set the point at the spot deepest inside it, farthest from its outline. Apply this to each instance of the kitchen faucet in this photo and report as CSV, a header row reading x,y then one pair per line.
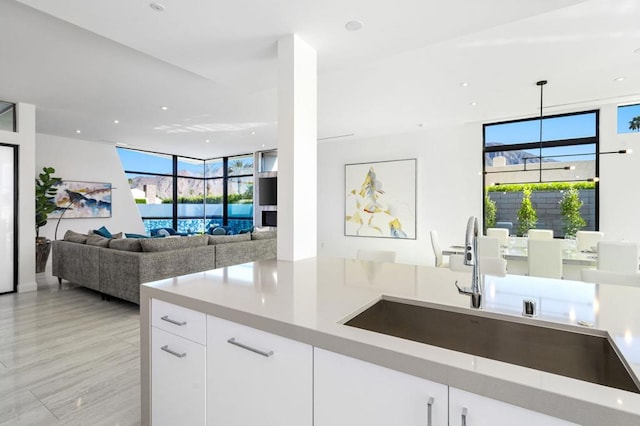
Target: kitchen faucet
x,y
471,259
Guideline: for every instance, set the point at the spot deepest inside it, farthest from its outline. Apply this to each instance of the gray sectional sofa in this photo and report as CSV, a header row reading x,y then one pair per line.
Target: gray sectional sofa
x,y
117,267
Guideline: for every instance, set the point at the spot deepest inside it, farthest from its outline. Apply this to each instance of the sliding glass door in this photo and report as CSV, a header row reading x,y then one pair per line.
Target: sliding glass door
x,y
8,217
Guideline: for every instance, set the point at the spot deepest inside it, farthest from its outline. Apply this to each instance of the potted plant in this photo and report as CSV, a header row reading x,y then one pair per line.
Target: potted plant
x,y
490,211
570,206
527,216
46,189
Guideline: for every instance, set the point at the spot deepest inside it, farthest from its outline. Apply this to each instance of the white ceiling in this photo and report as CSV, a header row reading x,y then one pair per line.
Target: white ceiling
x,y
85,63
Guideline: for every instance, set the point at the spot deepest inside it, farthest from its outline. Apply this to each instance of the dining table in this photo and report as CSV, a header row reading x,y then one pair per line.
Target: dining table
x,y
515,253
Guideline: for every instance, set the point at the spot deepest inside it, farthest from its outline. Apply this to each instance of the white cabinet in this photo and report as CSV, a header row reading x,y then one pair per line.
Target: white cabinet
x,y
350,392
178,380
468,409
256,378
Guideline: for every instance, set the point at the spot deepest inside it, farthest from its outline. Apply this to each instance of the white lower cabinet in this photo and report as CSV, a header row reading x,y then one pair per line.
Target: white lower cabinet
x,y
256,378
177,374
350,392
468,409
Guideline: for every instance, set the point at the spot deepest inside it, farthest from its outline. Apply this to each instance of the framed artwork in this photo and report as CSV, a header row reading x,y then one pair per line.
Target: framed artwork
x,y
380,199
82,200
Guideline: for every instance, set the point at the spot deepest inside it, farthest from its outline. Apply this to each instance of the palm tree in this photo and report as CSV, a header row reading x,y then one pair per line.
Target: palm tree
x,y
634,124
239,167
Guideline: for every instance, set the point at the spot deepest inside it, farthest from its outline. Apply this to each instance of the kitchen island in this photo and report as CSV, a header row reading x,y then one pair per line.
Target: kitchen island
x,y
308,301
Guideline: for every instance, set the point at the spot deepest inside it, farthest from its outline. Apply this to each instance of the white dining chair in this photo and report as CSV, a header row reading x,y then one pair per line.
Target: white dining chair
x,y
502,234
588,240
488,247
544,258
437,250
596,276
540,234
377,255
618,256
456,263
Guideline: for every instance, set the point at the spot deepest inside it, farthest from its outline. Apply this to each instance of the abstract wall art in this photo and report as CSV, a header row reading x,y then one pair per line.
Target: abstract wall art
x,y
381,199
82,200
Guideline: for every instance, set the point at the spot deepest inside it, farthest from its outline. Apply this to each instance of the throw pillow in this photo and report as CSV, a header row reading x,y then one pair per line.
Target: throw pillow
x,y
97,240
246,231
103,232
264,235
128,235
118,236
75,237
218,231
223,239
163,233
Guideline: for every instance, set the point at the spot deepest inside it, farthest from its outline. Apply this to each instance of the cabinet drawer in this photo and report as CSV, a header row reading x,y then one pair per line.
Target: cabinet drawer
x,y
256,378
178,378
178,320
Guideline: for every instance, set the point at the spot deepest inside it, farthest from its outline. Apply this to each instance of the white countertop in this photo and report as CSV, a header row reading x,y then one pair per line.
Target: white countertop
x,y
308,300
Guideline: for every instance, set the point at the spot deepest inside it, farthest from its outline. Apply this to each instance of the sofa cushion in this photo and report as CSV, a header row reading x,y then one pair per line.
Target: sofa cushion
x,y
125,244
164,244
103,232
264,235
97,240
224,239
75,237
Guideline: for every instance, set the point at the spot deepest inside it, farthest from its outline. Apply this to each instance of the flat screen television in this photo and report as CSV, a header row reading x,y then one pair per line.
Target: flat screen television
x,y
268,191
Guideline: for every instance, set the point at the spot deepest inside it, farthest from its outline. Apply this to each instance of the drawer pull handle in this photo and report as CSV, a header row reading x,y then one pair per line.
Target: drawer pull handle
x,y
249,348
429,410
172,352
464,416
172,321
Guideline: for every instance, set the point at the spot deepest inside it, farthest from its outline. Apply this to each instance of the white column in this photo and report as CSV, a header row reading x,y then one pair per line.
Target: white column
x,y
297,149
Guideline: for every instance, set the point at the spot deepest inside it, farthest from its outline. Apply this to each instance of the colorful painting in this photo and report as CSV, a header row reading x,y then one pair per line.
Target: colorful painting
x,y
381,199
82,200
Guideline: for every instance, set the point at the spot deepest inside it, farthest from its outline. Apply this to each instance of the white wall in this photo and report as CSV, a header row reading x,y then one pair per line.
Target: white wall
x,y
25,139
80,160
449,189
619,180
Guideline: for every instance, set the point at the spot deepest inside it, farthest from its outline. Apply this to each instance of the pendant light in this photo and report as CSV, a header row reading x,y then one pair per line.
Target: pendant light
x,y
540,83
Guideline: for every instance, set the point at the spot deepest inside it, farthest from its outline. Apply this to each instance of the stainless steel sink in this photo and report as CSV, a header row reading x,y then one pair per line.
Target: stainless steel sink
x,y
588,355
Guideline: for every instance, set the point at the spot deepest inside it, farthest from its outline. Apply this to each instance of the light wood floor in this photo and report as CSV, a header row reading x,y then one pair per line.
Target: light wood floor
x,y
68,358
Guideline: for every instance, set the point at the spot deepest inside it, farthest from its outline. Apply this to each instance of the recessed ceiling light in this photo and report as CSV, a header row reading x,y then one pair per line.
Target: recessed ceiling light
x,y
618,79
637,50
116,121
158,7
464,84
207,140
474,103
164,108
253,132
420,124
353,26
78,131
263,145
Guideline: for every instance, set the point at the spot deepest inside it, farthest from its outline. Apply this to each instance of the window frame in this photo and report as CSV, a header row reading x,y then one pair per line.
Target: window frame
x,y
552,143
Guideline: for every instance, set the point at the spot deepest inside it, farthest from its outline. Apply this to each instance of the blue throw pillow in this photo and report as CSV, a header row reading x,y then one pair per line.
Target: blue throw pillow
x,y
103,232
135,235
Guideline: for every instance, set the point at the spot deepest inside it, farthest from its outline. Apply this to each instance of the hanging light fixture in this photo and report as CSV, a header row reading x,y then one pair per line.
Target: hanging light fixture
x,y
540,83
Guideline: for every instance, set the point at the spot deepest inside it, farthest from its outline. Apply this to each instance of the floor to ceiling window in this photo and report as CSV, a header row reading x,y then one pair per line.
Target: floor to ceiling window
x,y
190,195
547,162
